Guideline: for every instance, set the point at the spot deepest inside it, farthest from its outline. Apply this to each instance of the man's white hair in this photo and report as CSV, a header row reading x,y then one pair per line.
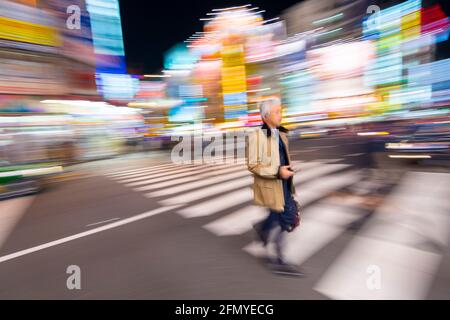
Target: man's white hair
x,y
266,106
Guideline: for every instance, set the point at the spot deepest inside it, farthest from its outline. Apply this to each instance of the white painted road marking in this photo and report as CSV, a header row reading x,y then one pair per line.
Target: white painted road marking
x,y
86,233
101,222
403,239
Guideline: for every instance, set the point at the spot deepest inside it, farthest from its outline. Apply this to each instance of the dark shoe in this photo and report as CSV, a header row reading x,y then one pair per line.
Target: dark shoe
x,y
287,270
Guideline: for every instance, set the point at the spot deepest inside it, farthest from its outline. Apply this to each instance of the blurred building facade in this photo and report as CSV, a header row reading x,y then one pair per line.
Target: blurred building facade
x,y
49,62
330,19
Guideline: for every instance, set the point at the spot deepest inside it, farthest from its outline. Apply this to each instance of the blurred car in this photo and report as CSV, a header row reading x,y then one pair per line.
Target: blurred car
x,y
428,141
19,180
307,132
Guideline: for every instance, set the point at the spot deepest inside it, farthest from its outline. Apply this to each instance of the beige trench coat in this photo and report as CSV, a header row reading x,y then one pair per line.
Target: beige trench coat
x,y
263,160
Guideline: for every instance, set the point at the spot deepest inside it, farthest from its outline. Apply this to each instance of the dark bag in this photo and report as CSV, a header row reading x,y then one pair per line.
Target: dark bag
x,y
295,222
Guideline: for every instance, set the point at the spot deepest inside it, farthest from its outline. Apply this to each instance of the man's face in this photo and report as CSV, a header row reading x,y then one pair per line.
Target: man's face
x,y
274,118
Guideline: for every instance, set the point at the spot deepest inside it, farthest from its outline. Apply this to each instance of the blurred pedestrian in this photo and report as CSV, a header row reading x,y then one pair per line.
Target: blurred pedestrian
x,y
269,161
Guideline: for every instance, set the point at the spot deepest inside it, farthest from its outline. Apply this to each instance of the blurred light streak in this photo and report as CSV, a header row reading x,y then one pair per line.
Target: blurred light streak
x,y
410,156
375,133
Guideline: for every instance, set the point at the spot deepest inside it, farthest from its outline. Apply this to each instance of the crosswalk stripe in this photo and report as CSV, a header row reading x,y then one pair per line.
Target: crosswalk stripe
x,y
128,170
161,177
110,171
317,171
140,172
209,191
113,173
316,189
389,247
167,174
329,160
198,184
305,166
405,272
355,154
174,168
220,160
322,224
193,174
215,205
237,222
152,184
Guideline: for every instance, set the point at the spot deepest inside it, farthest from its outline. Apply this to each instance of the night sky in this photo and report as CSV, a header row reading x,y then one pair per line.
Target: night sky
x,y
152,27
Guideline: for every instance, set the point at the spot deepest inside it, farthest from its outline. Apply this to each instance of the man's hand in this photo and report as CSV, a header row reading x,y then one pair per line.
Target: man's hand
x,y
285,173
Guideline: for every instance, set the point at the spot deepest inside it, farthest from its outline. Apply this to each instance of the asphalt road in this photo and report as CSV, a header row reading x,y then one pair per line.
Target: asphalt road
x,y
139,227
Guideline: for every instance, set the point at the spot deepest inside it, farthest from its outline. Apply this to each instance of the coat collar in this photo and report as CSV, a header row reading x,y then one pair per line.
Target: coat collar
x,y
268,132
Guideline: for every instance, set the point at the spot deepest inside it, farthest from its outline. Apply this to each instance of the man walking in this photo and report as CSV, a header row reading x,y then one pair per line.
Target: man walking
x,y
269,161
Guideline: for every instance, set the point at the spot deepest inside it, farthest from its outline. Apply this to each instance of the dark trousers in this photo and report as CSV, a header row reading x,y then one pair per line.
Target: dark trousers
x,y
273,222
